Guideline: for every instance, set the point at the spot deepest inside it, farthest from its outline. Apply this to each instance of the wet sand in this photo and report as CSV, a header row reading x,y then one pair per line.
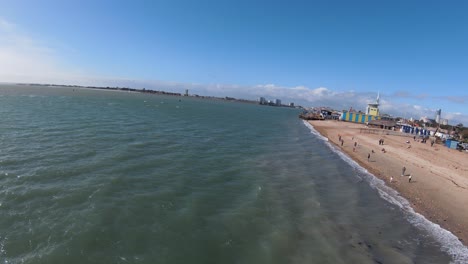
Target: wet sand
x,y
439,175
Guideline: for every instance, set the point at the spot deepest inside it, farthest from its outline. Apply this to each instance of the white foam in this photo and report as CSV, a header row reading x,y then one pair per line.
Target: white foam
x,y
313,131
449,242
2,245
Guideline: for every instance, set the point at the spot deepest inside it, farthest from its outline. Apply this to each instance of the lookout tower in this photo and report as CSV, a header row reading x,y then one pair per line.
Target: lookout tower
x,y
373,108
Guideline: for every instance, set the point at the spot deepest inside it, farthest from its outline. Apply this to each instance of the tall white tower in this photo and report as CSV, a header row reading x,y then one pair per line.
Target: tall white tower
x,y
437,118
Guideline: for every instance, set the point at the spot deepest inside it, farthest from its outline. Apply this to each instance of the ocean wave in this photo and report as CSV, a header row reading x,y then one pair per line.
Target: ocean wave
x,y
449,242
313,131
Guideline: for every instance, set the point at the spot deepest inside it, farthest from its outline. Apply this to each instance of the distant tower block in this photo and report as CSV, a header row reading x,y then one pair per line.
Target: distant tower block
x,y
373,109
437,118
186,92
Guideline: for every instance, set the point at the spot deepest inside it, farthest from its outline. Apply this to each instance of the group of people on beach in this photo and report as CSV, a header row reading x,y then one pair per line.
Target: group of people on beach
x,y
340,139
381,142
403,170
424,140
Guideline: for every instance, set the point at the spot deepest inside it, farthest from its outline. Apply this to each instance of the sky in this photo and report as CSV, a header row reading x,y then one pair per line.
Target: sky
x,y
314,53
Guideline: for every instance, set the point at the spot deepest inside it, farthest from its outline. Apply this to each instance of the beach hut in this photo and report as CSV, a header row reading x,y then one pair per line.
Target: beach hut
x,y
357,117
405,128
450,143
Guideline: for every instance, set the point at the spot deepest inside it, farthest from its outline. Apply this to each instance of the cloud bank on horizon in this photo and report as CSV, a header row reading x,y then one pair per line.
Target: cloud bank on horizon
x,y
27,60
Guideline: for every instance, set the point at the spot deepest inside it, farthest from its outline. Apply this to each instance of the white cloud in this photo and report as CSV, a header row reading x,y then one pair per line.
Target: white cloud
x,y
23,59
6,26
456,118
302,95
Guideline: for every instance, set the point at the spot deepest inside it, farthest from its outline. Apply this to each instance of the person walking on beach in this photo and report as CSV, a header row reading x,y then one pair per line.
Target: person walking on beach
x,y
403,170
409,178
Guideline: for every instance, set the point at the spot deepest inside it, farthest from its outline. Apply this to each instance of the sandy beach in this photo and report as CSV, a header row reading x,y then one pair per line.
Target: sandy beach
x,y
439,175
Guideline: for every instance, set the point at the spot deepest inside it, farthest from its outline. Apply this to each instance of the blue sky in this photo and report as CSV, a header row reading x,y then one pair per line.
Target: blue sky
x,y
337,53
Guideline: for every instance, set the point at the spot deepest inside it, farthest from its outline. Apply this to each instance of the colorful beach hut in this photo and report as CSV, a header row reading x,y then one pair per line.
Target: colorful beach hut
x,y
357,117
450,143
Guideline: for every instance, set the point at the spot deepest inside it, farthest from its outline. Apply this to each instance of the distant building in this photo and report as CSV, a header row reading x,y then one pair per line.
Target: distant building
x,y
383,123
437,117
276,102
373,109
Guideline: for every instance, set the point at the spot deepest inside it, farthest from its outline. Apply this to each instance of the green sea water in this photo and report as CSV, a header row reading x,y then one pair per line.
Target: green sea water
x,y
92,176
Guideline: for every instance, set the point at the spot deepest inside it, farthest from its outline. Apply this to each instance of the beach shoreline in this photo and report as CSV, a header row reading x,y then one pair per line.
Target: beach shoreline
x,y
438,189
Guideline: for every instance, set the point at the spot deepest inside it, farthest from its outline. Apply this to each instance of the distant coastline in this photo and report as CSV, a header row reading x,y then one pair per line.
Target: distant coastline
x,y
156,92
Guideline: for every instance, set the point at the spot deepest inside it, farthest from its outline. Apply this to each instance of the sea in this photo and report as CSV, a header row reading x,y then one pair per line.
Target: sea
x,y
99,176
